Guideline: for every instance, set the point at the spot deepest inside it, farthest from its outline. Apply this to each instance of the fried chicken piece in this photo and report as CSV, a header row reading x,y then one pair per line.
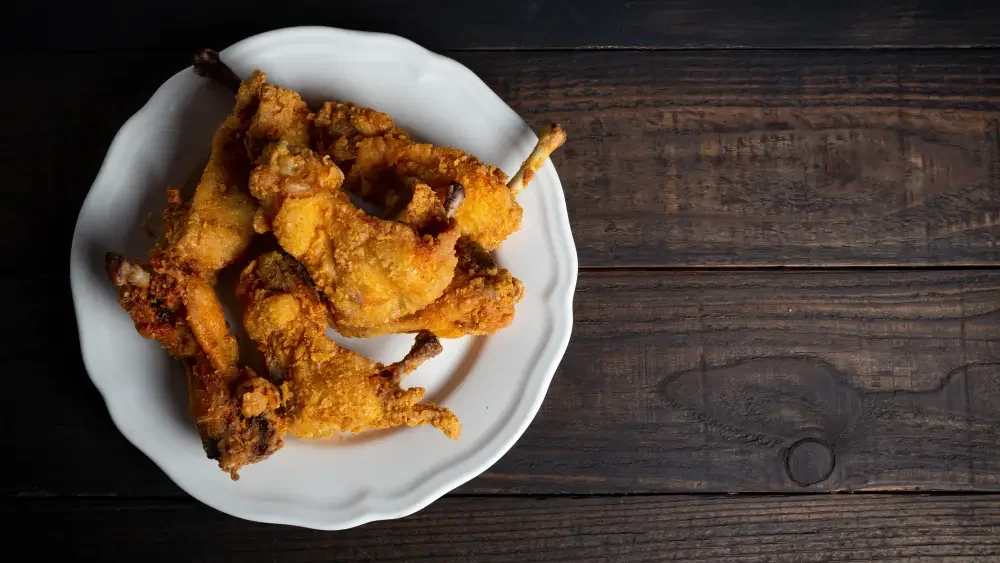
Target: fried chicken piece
x,y
338,127
172,301
479,301
489,214
330,388
371,270
384,156
216,226
482,296
239,415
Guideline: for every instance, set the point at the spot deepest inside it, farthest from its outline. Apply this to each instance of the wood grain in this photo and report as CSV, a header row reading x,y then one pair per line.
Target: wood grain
x,y
688,151
798,529
804,159
548,24
713,381
675,159
673,382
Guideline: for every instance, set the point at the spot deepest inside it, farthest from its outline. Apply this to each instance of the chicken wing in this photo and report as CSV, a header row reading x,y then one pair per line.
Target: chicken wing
x,y
238,414
371,270
330,388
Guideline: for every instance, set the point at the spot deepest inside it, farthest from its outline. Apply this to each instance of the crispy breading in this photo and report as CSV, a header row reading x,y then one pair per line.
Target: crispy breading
x,y
172,300
371,270
210,231
479,301
329,389
339,126
489,213
238,414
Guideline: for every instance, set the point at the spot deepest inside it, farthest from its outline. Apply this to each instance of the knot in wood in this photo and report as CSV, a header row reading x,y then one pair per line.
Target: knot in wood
x,y
809,461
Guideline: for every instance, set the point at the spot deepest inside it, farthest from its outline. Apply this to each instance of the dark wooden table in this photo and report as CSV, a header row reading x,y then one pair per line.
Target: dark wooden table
x,y
788,223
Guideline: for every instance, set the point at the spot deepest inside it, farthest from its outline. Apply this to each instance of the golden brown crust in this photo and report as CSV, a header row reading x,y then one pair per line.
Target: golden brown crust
x,y
238,414
371,270
330,389
489,213
155,302
209,232
479,301
281,115
220,401
339,126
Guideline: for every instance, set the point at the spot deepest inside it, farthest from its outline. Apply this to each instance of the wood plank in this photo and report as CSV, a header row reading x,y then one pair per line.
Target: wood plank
x,y
792,159
771,382
714,159
559,24
673,382
797,529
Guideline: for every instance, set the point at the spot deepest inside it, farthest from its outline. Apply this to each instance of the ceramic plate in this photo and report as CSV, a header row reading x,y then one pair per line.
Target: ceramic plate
x,y
494,384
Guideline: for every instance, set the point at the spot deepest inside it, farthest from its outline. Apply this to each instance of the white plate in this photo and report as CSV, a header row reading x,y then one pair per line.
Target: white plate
x,y
495,384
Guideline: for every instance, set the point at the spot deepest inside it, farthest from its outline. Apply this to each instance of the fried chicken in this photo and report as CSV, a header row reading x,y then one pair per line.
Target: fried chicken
x,y
330,389
377,157
481,297
479,301
216,226
390,168
238,414
207,233
490,212
339,126
172,299
422,266
372,271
